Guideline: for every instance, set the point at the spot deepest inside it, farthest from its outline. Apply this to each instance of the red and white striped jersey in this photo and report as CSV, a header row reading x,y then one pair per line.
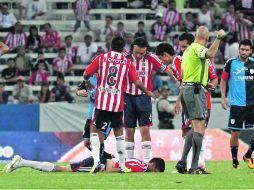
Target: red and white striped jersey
x,y
134,164
176,67
15,40
81,9
243,31
114,70
159,31
171,18
144,68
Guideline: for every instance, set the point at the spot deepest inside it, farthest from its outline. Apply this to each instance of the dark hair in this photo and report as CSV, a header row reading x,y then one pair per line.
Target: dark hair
x,y
165,47
41,61
10,59
120,23
141,22
47,24
118,44
140,42
47,93
88,36
62,49
60,76
159,164
68,36
110,17
187,36
188,13
246,42
4,4
30,39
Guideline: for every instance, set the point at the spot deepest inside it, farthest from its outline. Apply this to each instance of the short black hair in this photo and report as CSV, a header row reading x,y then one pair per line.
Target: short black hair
x,y
88,36
120,23
159,163
118,44
246,42
140,42
62,49
141,22
165,47
110,17
187,36
60,76
47,23
68,36
10,59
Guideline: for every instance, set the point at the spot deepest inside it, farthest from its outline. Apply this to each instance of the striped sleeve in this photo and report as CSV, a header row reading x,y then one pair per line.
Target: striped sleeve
x,y
158,66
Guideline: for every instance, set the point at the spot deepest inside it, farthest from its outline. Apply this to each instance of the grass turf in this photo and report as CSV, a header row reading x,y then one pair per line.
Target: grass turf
x,y
222,177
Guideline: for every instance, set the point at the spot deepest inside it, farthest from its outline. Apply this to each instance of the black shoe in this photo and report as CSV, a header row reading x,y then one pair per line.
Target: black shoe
x,y
181,167
198,171
107,155
235,164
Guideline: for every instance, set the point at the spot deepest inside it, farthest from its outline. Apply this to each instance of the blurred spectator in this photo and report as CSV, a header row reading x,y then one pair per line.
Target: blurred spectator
x,y
165,110
159,30
157,84
120,30
100,51
71,50
45,95
242,26
136,4
159,6
16,37
61,91
231,46
141,30
86,50
41,57
81,10
129,40
107,46
189,23
22,92
218,59
194,3
106,30
228,17
214,8
3,94
33,9
205,17
23,61
62,64
176,45
99,4
171,17
40,75
51,39
34,39
7,19
11,73
246,7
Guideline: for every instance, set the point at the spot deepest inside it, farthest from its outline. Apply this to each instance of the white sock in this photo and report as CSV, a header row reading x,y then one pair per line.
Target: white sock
x,y
146,147
120,148
129,150
189,159
42,166
201,161
95,146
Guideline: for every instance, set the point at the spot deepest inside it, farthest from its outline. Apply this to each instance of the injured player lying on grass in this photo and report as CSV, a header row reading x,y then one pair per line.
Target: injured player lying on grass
x,y
134,165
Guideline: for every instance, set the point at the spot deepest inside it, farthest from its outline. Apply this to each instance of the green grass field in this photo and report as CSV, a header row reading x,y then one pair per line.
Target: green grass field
x,y
222,177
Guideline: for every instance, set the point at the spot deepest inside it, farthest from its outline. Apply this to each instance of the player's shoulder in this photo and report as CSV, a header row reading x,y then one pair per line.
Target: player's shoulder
x,y
152,56
177,59
230,60
251,59
127,54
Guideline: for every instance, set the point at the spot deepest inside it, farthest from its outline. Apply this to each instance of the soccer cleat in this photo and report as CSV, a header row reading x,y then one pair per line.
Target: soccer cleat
x,y
198,171
13,165
235,164
181,167
249,162
97,168
125,170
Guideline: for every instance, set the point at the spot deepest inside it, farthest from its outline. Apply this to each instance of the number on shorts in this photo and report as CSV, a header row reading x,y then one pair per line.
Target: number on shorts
x,y
104,125
112,73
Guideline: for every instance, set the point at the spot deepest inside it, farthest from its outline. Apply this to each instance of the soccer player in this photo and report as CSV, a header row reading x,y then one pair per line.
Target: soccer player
x,y
104,133
165,53
195,68
114,70
135,165
238,74
138,106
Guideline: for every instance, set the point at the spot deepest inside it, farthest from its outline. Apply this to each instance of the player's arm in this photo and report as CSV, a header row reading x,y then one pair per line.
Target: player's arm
x,y
90,70
212,75
211,52
3,48
223,84
81,90
170,73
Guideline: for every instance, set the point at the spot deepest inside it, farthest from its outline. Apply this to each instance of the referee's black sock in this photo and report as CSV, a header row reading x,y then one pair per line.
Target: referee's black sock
x,y
234,151
250,150
187,145
196,147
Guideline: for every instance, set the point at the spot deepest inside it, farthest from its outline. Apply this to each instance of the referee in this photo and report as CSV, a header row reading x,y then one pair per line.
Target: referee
x,y
194,84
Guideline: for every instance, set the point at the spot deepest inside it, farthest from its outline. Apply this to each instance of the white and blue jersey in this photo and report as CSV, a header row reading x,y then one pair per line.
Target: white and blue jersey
x,y
93,81
240,81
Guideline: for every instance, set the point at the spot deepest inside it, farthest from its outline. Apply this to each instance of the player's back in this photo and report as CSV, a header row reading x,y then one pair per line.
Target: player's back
x,y
112,81
136,165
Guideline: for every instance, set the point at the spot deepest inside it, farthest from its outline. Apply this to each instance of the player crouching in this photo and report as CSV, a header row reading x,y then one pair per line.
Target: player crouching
x,y
135,165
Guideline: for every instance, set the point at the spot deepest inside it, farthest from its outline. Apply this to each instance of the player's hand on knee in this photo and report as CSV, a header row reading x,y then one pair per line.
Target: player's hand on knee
x,y
224,103
151,94
82,93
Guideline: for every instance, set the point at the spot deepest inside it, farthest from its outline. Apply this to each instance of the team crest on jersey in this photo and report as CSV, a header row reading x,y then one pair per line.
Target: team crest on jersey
x,y
232,121
251,71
